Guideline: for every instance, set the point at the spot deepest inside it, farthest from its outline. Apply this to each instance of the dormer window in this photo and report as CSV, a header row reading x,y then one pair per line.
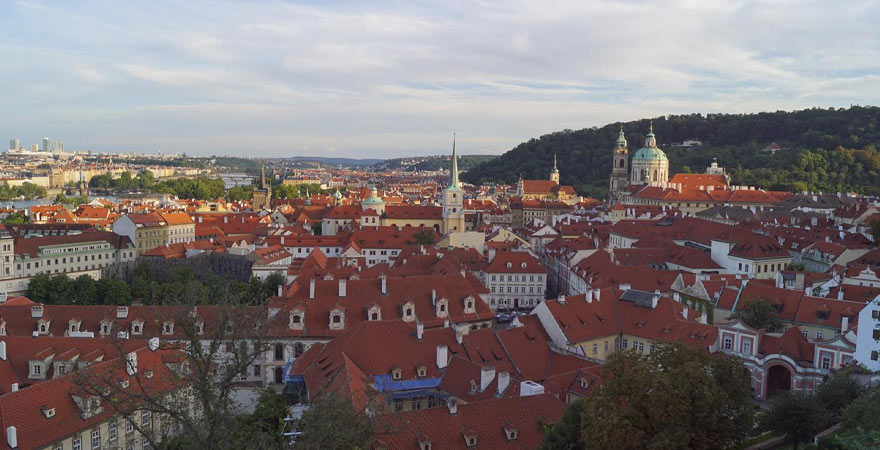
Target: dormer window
x,y
442,310
469,305
137,327
509,265
422,371
48,412
509,430
200,327
168,328
822,315
396,373
585,382
296,320
409,312
43,327
337,318
105,328
374,316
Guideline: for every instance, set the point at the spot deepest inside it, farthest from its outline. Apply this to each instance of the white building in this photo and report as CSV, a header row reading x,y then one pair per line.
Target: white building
x,y
515,280
868,341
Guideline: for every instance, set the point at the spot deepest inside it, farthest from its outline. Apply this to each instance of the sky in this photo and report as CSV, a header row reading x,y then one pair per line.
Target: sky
x,y
384,79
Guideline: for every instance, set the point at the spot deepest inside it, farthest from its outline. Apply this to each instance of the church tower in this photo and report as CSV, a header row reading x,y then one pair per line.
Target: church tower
x,y
453,199
650,166
619,172
554,174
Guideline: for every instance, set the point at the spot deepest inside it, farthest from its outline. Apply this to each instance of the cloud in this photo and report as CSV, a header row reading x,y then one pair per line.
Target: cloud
x,y
390,78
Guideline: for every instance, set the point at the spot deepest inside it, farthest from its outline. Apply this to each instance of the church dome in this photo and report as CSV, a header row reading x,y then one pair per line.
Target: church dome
x,y
650,154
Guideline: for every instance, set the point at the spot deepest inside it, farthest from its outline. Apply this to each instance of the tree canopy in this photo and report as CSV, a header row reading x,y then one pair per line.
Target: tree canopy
x,y
759,313
677,397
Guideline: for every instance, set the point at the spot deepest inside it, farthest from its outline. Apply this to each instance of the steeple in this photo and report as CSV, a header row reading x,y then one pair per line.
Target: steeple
x,y
308,198
621,139
453,181
555,170
554,174
262,176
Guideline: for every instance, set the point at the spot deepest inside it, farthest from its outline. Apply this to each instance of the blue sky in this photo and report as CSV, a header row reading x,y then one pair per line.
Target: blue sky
x,y
394,78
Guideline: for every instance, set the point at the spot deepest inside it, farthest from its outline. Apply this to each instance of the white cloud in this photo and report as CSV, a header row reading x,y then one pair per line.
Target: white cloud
x,y
385,78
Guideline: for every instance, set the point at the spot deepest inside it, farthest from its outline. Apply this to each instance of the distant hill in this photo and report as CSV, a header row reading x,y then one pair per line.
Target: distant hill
x,y
829,150
465,162
347,162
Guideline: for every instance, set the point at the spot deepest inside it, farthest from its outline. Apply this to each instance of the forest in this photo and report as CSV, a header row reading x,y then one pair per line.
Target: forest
x,y
821,150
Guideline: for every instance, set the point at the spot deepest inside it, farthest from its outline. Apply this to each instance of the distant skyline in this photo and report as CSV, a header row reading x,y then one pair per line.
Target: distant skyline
x,y
389,79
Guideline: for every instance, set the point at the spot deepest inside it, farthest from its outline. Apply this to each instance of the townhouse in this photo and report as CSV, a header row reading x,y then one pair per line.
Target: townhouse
x,y
515,280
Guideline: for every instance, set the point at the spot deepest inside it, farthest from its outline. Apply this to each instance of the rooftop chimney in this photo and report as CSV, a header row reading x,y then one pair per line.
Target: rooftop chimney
x,y
12,436
384,280
14,387
840,292
36,312
503,382
596,294
312,288
442,356
280,289
420,330
704,318
684,312
654,300
121,312
844,324
3,350
487,374
561,299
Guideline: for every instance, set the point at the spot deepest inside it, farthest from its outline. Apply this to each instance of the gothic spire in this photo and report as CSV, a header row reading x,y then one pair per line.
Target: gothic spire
x,y
453,182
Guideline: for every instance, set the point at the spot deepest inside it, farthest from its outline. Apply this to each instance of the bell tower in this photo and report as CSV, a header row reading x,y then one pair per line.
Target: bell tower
x,y
619,171
453,199
554,174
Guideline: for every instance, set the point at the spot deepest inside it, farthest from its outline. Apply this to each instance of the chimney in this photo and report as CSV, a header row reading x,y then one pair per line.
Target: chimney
x,y
442,356
280,289
654,300
14,387
342,282
704,318
12,436
384,280
809,291
840,292
131,363
282,240
684,312
3,350
433,295
844,325
452,404
503,382
597,292
36,311
487,374
121,312
153,343
624,286
561,299
588,296
312,288
420,330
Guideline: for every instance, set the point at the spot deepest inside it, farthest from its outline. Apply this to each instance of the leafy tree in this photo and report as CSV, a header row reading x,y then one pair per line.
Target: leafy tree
x,y
38,288
238,193
759,313
566,434
268,417
15,218
838,392
332,422
864,412
84,290
645,402
113,292
425,236
797,417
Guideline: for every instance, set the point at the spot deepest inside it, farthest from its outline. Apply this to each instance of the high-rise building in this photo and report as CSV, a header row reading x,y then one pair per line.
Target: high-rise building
x,y
34,147
61,146
46,144
14,144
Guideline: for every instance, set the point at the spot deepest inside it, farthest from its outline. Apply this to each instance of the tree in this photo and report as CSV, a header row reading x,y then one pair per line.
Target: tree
x,y
759,313
269,414
84,290
218,347
797,417
38,288
864,412
836,393
425,236
332,422
675,397
15,218
113,292
566,434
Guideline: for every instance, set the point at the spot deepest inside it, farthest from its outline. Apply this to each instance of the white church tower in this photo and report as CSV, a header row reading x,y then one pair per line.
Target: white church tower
x,y
453,199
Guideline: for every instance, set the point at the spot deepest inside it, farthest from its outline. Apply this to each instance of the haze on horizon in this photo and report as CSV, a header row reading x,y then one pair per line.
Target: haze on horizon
x,y
396,78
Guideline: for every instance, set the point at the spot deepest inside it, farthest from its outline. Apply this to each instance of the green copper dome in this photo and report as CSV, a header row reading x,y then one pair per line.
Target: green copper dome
x,y
649,154
374,198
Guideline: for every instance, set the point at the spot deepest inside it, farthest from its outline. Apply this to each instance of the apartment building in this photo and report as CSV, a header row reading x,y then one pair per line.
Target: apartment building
x,y
146,231
515,280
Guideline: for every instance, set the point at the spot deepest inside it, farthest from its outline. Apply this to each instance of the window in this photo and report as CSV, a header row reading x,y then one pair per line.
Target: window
x,y
77,444
111,431
639,346
129,425
625,344
728,343
606,346
96,438
279,352
145,418
747,346
826,362
819,335
595,348
874,355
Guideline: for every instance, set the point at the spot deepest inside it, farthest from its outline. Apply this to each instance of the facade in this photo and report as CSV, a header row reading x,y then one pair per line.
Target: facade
x,y
263,192
146,231
868,343
650,164
92,250
619,171
181,228
515,280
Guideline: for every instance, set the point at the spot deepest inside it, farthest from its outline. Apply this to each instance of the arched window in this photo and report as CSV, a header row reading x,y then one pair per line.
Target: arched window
x,y
298,349
621,163
644,174
655,175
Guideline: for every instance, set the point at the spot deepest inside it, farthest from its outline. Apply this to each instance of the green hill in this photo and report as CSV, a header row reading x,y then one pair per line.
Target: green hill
x,y
828,150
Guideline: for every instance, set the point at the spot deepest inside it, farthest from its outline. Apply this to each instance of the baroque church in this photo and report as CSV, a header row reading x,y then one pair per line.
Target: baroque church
x,y
549,189
650,166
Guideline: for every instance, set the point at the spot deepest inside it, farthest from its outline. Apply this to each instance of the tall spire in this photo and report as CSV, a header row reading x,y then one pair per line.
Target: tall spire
x,y
554,164
262,175
453,182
